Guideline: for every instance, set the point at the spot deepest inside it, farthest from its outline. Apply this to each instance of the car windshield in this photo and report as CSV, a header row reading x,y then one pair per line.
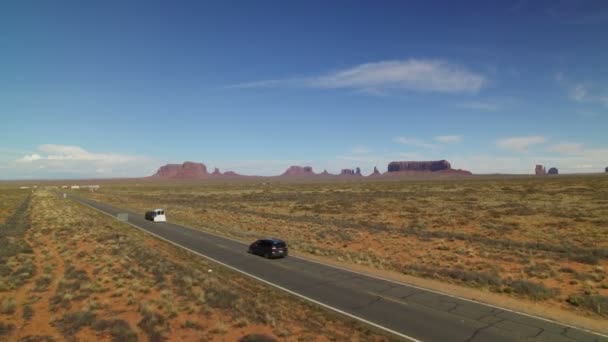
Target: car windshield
x,y
280,244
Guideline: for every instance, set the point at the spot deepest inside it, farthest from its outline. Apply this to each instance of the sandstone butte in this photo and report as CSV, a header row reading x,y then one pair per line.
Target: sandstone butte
x,y
192,170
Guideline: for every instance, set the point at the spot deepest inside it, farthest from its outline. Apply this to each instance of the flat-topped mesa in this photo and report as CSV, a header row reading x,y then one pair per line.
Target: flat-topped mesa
x,y
216,172
295,170
431,166
182,171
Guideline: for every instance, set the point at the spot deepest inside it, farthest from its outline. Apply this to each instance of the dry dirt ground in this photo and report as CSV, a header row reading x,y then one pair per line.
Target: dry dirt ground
x,y
70,273
538,244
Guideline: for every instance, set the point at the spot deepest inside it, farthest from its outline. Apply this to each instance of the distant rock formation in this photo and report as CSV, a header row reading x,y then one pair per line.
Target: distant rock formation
x,y
216,172
375,173
606,170
553,171
324,173
184,171
539,170
439,167
350,172
299,171
432,166
231,174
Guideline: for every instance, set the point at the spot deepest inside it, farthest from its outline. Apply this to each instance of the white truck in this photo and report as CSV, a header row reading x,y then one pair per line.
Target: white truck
x,y
156,215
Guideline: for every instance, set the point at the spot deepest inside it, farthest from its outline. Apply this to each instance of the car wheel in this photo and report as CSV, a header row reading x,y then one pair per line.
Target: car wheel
x,y
266,255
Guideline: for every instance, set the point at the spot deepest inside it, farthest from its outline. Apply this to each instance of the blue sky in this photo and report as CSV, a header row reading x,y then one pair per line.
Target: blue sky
x,y
117,88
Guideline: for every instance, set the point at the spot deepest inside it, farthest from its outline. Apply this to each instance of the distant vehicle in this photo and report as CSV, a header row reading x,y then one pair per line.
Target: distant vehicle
x,y
157,215
269,248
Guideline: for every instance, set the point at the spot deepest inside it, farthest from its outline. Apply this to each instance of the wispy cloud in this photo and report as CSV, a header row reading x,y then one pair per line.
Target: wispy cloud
x,y
415,142
580,92
520,144
448,139
426,75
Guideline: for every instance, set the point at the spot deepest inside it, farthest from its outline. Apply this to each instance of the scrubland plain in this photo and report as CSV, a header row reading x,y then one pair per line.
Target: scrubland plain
x,y
68,272
538,240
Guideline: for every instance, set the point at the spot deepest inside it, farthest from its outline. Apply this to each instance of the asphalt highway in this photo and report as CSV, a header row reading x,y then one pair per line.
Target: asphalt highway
x,y
406,312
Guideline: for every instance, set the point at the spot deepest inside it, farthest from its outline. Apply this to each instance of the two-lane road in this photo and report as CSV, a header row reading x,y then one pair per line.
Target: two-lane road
x,y
405,311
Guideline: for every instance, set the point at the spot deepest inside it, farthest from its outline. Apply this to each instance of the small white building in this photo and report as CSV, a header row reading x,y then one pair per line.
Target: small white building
x,y
24,187
75,187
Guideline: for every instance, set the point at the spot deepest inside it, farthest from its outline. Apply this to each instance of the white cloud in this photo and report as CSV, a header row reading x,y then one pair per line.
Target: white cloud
x,y
520,143
415,142
448,139
65,161
424,75
30,157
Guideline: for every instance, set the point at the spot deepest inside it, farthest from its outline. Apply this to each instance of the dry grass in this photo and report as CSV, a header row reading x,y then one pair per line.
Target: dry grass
x,y
540,239
94,278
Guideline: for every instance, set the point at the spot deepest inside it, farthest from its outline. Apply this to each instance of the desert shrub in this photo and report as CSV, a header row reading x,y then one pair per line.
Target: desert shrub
x,y
480,278
539,270
43,282
6,328
72,322
73,273
7,306
595,303
5,270
220,298
589,259
151,323
119,329
28,312
189,324
257,338
567,270
37,338
532,290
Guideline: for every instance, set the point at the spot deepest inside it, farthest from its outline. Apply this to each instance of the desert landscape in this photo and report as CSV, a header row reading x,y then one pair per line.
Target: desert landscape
x,y
70,273
536,240
265,171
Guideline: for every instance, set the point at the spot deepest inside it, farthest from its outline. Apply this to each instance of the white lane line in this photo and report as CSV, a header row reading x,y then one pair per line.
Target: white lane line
x,y
421,288
265,281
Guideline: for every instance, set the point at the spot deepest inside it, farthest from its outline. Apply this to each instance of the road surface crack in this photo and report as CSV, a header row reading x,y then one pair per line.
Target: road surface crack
x,y
375,300
476,332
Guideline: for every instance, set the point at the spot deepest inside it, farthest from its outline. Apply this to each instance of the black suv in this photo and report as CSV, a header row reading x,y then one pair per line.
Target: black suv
x,y
269,248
